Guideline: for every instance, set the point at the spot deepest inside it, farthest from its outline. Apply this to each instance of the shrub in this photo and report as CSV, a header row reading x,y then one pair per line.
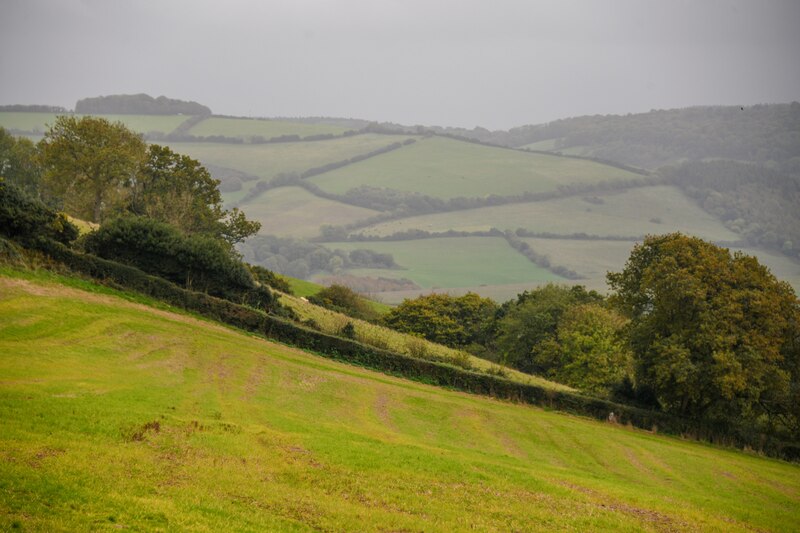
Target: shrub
x,y
24,219
197,262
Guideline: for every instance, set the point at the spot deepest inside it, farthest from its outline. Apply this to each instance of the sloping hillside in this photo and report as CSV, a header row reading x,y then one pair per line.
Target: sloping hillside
x,y
117,415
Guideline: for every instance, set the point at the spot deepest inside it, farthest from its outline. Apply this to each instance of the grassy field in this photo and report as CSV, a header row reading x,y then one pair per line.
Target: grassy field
x,y
120,416
547,144
38,122
633,212
294,212
371,334
592,259
447,168
454,262
267,160
245,128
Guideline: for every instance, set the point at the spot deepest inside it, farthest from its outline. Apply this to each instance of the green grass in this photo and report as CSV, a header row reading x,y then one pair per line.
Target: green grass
x,y
38,122
453,262
246,128
294,212
632,212
446,168
547,144
301,287
267,160
256,436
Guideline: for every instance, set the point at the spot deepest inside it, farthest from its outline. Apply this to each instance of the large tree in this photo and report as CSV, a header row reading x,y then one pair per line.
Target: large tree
x,y
450,320
178,190
529,322
88,164
714,334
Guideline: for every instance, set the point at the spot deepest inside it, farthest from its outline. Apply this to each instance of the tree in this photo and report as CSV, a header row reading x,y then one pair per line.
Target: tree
x,y
88,162
178,190
18,163
344,300
587,351
454,321
533,318
714,335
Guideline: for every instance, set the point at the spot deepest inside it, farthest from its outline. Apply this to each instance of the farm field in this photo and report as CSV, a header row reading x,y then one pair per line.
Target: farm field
x,y
547,144
38,122
247,127
267,160
447,168
118,415
631,213
294,212
453,262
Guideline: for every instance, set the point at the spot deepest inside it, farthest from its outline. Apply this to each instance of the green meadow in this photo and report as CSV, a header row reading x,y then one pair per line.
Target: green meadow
x,y
267,160
631,212
447,168
118,415
453,262
39,122
249,127
294,212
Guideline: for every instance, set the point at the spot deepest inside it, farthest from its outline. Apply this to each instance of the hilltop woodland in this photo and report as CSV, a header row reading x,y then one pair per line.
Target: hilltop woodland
x,y
689,329
742,164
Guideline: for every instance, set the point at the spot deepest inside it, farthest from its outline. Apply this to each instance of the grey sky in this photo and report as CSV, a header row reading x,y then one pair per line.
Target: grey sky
x,y
496,64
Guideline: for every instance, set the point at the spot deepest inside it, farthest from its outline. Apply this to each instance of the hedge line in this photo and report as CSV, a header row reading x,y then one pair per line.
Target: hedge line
x,y
430,372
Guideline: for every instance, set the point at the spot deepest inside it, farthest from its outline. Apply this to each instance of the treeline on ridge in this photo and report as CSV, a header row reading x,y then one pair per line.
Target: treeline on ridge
x,y
138,104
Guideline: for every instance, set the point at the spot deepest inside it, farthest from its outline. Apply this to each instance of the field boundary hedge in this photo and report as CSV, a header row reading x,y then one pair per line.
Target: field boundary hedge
x,y
433,373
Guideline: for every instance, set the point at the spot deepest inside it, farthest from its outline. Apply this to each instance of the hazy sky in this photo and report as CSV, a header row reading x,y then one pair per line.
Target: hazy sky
x,y
496,64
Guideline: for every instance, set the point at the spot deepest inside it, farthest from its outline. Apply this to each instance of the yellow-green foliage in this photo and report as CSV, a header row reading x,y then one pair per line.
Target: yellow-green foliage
x,y
331,322
116,415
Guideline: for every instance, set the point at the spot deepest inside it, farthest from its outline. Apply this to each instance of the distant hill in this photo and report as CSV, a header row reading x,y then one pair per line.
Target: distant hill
x,y
758,134
138,104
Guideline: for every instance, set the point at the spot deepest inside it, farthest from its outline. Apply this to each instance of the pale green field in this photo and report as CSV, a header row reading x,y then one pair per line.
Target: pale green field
x,y
446,168
626,213
294,212
245,128
118,416
547,144
39,122
593,259
590,259
455,262
267,160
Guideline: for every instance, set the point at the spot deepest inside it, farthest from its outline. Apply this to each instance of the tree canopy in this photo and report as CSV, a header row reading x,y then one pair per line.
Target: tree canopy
x,y
714,335
88,162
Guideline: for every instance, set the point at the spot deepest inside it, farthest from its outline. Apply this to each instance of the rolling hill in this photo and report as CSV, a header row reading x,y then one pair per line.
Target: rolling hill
x,y
121,415
575,214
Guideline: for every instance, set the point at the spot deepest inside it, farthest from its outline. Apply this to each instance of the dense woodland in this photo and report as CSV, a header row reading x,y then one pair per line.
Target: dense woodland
x,y
138,104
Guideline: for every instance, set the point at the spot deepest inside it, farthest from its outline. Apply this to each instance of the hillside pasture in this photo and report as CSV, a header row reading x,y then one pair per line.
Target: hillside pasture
x,y
294,212
447,168
245,128
267,160
120,416
39,122
628,213
453,262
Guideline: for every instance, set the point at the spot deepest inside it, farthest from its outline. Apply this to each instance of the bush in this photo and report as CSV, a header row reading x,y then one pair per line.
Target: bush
x,y
24,219
344,300
197,262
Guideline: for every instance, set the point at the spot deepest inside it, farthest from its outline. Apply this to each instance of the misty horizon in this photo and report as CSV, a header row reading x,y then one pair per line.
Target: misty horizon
x,y
458,64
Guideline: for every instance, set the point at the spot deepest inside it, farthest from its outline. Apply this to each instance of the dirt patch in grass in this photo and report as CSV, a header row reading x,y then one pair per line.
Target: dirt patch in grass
x,y
652,519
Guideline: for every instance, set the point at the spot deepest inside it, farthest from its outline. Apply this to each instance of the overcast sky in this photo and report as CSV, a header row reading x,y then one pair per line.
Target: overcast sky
x,y
496,64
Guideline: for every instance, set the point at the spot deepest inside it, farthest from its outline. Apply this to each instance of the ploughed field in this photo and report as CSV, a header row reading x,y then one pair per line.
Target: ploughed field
x,y
120,414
